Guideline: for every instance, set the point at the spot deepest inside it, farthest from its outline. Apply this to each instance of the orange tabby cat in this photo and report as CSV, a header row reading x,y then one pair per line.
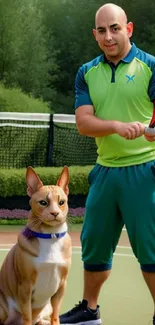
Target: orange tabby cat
x,y
33,275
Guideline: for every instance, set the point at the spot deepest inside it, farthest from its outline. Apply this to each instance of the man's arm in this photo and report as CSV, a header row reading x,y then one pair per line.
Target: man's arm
x,y
92,126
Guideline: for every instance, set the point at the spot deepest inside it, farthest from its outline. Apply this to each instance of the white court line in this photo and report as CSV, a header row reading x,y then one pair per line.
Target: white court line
x,y
115,254
7,244
124,247
75,252
76,247
125,255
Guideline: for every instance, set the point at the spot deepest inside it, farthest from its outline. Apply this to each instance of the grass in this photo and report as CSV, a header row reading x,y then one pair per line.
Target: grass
x,y
15,222
17,227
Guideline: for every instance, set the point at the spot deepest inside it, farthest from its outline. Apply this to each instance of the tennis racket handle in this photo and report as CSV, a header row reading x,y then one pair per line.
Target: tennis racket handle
x,y
149,131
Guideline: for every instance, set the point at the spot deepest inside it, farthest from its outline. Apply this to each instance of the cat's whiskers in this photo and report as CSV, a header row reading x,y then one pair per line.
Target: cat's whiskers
x,y
35,223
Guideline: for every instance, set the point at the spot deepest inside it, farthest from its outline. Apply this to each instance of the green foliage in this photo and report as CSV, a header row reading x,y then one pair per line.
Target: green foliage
x,y
20,145
14,100
73,42
65,103
24,56
13,182
79,179
71,24
43,43
15,222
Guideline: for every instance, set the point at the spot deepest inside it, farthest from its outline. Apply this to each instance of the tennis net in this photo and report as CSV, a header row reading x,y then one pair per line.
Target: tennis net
x,y
43,140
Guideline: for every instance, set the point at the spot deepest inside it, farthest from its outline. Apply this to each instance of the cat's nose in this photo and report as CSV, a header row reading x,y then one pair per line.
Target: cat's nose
x,y
54,214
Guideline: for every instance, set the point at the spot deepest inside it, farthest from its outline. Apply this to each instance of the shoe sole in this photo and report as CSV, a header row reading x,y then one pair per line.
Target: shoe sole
x,y
90,322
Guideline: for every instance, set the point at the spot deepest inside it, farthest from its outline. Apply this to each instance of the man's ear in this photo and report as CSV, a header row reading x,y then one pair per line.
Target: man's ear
x,y
94,33
130,29
33,181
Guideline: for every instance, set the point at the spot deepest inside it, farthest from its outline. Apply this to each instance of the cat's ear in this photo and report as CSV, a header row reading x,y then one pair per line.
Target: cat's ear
x,y
33,181
63,180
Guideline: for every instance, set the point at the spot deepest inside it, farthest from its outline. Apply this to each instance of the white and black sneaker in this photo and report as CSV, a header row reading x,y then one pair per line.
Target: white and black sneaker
x,y
81,314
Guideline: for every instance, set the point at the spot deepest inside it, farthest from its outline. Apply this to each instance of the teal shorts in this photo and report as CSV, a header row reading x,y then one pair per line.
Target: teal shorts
x,y
117,197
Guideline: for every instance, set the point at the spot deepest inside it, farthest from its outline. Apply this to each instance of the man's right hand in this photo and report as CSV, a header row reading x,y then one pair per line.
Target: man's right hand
x,y
130,131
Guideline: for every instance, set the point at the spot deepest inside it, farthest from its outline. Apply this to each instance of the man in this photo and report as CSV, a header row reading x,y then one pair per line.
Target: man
x,y
115,93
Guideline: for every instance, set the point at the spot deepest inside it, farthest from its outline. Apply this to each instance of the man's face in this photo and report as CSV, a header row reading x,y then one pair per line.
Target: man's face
x,y
112,34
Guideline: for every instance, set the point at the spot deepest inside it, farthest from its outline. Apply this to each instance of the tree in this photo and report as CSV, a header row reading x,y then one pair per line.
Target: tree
x,y
24,57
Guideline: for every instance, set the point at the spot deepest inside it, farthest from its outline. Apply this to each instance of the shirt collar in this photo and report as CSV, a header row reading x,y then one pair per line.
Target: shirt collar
x,y
131,54
129,57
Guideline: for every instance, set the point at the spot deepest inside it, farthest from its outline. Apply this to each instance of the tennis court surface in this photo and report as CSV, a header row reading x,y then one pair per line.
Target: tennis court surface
x,y
124,299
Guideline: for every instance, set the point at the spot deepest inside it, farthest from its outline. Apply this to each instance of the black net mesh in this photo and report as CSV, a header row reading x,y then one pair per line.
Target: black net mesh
x,y
70,148
23,146
29,146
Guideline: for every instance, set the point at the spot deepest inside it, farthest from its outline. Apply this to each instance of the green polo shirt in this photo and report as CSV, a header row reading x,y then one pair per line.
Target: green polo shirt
x,y
126,93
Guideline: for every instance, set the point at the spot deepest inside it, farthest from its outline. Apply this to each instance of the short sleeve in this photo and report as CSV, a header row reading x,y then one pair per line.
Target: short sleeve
x,y
151,89
82,96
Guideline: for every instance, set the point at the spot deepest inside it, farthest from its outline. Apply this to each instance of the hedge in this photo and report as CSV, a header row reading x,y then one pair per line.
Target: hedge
x,y
13,182
15,100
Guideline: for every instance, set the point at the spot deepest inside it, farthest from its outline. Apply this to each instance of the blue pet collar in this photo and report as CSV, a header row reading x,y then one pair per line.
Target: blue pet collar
x,y
28,233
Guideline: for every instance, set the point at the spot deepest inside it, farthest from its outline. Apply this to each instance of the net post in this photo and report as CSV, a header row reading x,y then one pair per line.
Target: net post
x,y
50,141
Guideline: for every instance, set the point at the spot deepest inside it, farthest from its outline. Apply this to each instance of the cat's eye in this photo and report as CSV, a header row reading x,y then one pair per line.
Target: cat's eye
x,y
42,202
61,202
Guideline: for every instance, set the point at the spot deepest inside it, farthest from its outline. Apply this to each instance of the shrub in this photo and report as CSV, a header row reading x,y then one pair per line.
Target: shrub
x,y
14,100
12,181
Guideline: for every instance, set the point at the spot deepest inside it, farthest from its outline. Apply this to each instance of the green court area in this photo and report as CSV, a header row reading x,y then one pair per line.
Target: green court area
x,y
124,300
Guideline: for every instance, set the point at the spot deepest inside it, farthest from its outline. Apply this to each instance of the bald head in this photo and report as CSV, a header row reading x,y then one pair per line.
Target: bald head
x,y
109,11
113,32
